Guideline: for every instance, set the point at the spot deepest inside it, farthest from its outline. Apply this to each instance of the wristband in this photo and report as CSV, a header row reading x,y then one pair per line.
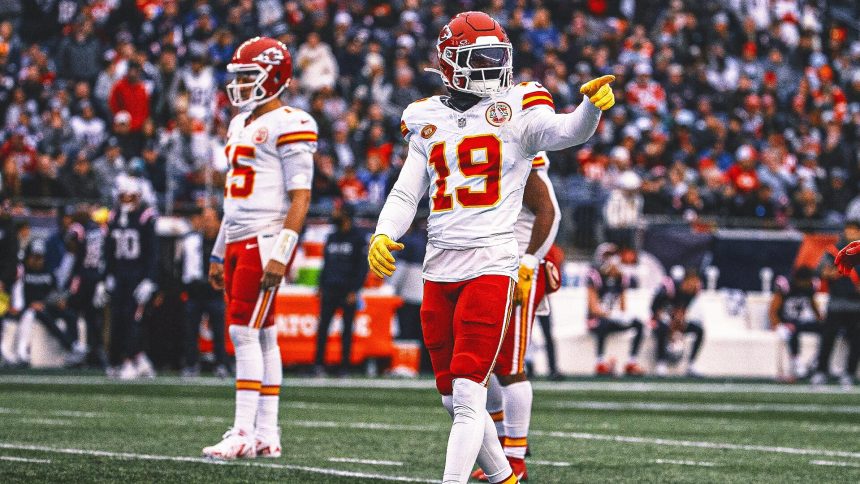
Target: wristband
x,y
215,258
529,261
284,246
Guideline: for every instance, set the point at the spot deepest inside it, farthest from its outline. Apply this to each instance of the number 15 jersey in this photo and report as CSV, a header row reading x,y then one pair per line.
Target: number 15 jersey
x,y
269,156
475,164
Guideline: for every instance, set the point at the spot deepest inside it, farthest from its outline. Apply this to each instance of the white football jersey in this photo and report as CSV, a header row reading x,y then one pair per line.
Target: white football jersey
x,y
269,157
477,163
526,219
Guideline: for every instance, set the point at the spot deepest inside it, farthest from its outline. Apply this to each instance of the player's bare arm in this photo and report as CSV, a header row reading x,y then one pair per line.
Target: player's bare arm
x,y
773,310
538,200
287,239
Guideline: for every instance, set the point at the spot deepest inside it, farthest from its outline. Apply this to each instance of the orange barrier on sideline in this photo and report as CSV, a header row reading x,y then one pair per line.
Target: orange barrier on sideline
x,y
813,248
297,319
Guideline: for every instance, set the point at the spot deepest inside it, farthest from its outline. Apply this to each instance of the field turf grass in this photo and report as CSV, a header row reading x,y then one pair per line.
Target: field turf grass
x,y
84,428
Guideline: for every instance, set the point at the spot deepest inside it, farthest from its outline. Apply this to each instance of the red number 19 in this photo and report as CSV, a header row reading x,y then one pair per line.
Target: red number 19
x,y
490,169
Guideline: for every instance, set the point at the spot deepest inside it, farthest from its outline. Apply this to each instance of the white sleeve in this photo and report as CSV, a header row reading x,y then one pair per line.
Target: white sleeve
x,y
298,169
296,148
544,130
556,218
400,206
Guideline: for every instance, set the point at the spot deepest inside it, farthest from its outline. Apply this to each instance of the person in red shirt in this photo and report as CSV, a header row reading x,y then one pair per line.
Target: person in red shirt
x,y
352,189
129,94
21,152
742,174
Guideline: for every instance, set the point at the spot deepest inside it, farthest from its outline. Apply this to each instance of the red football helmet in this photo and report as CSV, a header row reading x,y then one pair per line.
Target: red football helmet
x,y
270,64
475,55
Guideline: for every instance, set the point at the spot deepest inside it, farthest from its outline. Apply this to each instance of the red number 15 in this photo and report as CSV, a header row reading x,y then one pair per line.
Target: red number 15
x,y
240,179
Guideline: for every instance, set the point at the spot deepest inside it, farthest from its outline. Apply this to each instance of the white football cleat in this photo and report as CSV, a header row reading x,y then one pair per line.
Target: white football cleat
x,y
818,379
144,366
236,444
127,371
846,382
269,447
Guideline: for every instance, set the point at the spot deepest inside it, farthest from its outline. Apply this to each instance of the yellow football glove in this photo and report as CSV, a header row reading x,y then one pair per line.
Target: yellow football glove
x,y
379,255
527,274
599,92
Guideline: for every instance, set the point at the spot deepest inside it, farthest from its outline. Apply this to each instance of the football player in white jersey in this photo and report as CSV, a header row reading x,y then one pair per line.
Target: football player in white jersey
x,y
509,395
270,149
473,150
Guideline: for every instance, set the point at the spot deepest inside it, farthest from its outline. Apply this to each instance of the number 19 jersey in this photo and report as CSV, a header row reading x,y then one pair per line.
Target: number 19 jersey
x,y
477,163
269,156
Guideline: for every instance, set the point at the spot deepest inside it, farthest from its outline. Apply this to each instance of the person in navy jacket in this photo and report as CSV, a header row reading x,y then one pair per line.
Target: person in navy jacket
x,y
343,274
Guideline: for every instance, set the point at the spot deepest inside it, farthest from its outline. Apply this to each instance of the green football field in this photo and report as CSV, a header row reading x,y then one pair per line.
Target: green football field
x,y
84,428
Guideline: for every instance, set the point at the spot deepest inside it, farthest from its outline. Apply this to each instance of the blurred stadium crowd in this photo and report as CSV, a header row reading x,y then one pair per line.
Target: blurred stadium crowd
x,y
740,108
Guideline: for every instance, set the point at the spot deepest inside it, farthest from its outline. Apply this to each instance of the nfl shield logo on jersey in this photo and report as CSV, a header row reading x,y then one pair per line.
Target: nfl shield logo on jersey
x,y
498,113
261,135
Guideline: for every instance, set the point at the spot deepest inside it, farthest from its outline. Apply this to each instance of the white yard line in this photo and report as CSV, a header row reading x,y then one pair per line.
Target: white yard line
x,y
834,463
549,463
201,460
46,421
837,428
685,462
387,383
361,425
624,439
372,462
24,459
708,407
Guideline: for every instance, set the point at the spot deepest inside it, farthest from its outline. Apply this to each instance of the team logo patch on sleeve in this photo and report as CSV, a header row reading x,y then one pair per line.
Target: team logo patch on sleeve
x,y
498,113
428,131
261,135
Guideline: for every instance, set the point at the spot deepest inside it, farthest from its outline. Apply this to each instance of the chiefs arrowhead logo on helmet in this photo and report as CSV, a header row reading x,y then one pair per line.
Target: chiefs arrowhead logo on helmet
x,y
271,56
445,34
475,55
263,68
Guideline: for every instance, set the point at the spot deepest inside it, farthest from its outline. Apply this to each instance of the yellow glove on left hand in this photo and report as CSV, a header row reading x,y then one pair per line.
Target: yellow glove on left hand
x,y
599,92
527,273
379,255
